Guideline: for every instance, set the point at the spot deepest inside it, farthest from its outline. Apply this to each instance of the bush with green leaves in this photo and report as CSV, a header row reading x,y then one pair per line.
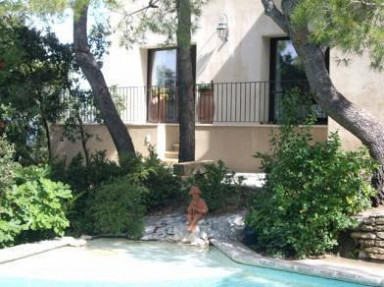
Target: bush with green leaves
x,y
33,208
116,208
162,187
7,164
311,194
220,188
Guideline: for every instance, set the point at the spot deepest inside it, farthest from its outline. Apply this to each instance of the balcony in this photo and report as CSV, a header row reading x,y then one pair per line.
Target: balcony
x,y
215,103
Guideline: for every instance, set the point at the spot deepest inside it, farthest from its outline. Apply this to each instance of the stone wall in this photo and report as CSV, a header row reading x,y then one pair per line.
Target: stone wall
x,y
370,236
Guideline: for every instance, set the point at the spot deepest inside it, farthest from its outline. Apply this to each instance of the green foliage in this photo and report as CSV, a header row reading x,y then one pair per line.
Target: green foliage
x,y
162,20
155,181
7,165
220,188
311,193
35,69
116,208
353,26
33,208
202,88
163,188
9,225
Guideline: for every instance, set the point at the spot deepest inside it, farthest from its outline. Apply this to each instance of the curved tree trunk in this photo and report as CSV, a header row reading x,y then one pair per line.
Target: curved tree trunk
x,y
92,72
185,83
356,120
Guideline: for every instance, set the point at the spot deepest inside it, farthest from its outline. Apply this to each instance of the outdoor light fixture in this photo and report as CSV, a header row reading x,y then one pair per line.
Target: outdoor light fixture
x,y
222,28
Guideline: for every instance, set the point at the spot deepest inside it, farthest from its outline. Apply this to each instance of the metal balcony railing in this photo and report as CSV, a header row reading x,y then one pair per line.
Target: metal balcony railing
x,y
237,102
234,102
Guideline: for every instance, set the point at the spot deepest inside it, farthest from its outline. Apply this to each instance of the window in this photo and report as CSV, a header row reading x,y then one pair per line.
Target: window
x,y
162,67
162,78
287,72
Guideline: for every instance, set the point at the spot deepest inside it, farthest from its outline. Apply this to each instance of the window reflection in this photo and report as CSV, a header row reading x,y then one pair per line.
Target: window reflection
x,y
287,73
162,91
163,67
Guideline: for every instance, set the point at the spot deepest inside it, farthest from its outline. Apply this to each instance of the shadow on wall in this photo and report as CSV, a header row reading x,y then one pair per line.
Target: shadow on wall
x,y
100,140
247,61
205,52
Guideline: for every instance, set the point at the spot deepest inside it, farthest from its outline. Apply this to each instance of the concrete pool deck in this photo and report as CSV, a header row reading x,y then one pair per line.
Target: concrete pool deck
x,y
356,271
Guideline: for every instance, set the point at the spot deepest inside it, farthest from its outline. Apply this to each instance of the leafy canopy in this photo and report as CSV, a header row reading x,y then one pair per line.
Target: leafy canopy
x,y
352,25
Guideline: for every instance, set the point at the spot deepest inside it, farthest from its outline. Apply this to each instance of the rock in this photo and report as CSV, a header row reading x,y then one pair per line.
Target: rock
x,y
377,250
380,235
379,243
363,235
379,220
367,243
369,220
173,228
363,255
365,227
379,227
375,256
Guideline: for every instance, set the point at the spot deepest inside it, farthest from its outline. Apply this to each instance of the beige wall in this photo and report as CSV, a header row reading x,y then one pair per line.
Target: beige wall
x,y
359,84
244,57
235,145
142,135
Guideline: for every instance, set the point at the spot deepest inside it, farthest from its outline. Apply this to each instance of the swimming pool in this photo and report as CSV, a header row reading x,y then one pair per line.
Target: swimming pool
x,y
118,263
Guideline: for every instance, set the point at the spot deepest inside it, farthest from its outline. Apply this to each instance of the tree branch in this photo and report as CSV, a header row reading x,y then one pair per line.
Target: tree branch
x,y
272,11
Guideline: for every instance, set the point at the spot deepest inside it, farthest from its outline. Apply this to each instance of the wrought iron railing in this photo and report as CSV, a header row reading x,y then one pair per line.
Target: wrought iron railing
x,y
230,102
233,102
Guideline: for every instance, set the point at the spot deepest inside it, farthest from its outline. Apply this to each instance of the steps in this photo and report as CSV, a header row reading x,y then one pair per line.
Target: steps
x,y
171,157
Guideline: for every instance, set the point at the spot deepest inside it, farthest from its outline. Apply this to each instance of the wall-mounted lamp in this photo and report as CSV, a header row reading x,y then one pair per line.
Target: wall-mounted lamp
x,y
222,28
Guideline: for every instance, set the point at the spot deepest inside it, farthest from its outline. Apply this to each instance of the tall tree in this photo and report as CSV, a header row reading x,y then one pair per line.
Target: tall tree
x,y
185,83
36,67
304,22
95,77
85,59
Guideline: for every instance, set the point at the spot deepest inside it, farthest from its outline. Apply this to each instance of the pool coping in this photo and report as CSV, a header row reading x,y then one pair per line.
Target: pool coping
x,y
239,253
21,251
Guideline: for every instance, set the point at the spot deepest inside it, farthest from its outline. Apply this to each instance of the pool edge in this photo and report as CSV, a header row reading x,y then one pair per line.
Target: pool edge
x,y
244,255
21,251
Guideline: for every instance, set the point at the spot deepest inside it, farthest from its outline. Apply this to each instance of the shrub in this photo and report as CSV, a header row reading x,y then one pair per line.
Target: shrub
x,y
220,189
115,208
7,164
163,188
310,195
34,208
81,177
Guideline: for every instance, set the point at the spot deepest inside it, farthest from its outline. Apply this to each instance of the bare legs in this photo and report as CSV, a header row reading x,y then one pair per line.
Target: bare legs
x,y
193,219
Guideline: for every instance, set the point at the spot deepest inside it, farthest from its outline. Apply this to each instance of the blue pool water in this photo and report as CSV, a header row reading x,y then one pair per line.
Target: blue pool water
x,y
118,263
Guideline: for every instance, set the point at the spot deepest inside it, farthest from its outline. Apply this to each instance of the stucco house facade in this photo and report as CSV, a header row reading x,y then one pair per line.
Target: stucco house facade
x,y
247,62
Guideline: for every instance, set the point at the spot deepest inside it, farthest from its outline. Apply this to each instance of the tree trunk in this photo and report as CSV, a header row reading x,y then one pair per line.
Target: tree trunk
x,y
92,72
356,120
48,136
185,83
84,139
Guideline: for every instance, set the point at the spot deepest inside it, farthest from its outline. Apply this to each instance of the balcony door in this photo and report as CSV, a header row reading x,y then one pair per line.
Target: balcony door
x,y
162,78
287,73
